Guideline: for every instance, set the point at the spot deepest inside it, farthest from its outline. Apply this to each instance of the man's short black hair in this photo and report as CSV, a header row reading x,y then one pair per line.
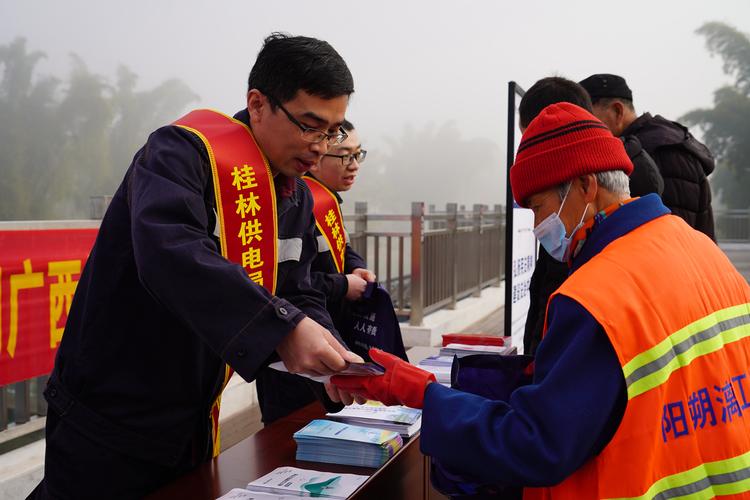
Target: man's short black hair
x,y
347,126
287,64
606,101
551,90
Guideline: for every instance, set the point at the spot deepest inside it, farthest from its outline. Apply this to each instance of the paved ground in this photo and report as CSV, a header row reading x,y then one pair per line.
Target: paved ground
x,y
492,324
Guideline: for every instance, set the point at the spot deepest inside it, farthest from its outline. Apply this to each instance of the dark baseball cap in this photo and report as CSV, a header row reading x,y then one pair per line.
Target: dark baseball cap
x,y
606,85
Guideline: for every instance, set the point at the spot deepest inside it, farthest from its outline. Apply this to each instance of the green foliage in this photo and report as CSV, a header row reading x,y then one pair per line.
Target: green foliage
x,y
63,142
726,126
734,48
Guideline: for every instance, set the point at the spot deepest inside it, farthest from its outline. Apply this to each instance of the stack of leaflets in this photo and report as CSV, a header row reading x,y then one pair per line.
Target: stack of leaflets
x,y
406,421
338,443
440,366
290,483
461,350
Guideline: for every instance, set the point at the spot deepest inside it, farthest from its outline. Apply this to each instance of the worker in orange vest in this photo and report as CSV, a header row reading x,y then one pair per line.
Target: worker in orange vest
x,y
641,385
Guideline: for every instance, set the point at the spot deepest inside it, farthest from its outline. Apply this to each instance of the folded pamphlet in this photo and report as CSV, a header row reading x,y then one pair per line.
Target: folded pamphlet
x,y
296,482
361,369
243,494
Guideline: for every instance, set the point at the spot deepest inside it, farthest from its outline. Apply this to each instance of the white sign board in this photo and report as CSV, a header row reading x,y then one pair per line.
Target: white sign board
x,y
524,259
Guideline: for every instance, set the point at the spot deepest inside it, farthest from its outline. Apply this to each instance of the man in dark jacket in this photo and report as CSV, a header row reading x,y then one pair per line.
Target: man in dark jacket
x,y
684,162
159,312
549,273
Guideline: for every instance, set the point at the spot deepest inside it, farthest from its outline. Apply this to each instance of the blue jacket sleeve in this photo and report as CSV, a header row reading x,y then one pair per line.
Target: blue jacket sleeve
x,y
181,267
549,428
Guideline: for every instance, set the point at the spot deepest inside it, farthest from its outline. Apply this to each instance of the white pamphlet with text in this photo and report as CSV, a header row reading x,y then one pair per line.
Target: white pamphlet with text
x,y
304,482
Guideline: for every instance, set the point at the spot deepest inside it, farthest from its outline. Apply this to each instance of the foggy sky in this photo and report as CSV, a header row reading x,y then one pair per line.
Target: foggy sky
x,y
416,64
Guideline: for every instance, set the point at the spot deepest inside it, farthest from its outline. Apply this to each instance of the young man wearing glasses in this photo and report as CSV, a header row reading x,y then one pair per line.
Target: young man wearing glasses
x,y
201,267
336,172
338,271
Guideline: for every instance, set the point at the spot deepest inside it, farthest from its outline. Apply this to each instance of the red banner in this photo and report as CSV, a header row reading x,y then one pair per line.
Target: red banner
x,y
39,271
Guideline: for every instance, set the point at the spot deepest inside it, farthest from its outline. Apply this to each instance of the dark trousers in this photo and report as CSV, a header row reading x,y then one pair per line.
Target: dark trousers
x,y
280,394
75,467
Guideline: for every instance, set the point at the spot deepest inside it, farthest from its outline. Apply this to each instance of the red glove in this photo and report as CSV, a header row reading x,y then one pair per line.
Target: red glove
x,y
402,383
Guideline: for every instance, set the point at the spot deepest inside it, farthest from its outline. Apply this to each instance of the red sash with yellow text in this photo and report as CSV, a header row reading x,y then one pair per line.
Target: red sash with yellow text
x,y
245,204
329,220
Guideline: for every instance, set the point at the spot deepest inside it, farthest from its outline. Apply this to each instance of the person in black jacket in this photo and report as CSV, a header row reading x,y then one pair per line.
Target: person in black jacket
x,y
683,161
549,273
280,393
158,310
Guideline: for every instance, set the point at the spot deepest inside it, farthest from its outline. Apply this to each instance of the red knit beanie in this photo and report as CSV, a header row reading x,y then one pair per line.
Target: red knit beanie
x,y
564,142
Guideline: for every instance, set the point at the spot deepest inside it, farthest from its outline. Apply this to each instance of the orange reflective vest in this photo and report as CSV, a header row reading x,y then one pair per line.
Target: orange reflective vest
x,y
678,315
245,206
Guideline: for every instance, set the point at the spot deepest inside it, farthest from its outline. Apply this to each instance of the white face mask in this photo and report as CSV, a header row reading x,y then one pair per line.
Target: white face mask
x,y
551,233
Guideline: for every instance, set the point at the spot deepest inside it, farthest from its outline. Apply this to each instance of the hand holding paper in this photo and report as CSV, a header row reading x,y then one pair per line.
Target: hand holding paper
x,y
402,383
311,349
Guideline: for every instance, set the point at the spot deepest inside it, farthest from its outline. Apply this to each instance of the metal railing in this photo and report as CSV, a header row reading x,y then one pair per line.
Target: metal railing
x,y
430,260
732,225
22,400
426,260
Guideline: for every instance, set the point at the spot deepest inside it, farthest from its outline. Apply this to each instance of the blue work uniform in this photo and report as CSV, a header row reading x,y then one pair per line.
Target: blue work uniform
x,y
548,429
157,313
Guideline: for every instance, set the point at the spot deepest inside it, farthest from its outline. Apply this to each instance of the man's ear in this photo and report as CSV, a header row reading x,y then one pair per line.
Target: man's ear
x,y
256,102
618,112
589,186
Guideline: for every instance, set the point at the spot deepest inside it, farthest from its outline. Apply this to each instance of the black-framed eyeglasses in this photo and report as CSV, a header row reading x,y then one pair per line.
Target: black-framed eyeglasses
x,y
309,134
348,159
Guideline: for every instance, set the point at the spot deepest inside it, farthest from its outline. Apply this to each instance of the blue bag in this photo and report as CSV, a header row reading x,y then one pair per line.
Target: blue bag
x,y
490,375
372,322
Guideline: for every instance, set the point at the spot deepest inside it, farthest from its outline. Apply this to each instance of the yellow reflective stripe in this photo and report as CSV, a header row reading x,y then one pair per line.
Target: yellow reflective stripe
x,y
653,367
215,427
723,477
